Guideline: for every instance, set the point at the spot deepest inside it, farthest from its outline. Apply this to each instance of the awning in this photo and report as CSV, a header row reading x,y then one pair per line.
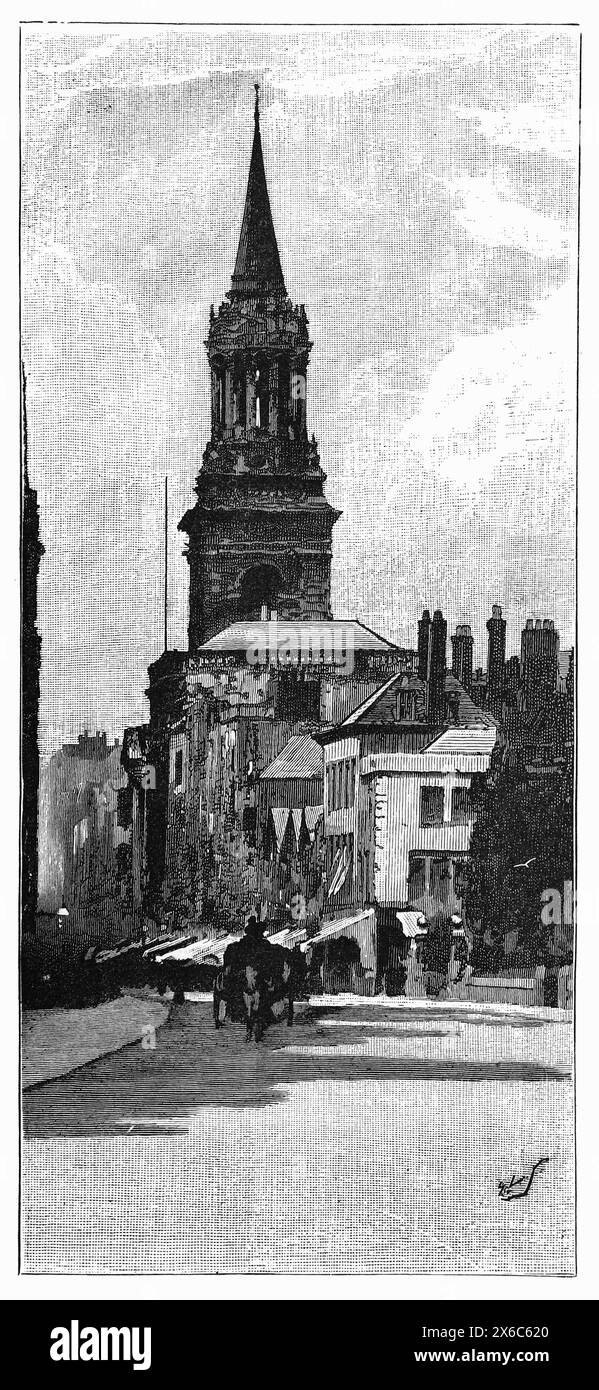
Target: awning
x,y
157,948
280,817
312,815
413,924
360,928
116,953
196,951
290,936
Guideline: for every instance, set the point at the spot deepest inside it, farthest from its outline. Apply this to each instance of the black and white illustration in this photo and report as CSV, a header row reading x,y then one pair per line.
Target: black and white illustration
x,y
299,414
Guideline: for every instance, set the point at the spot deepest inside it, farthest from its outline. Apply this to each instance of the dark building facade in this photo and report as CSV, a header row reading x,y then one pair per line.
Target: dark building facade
x,y
84,850
31,554
260,531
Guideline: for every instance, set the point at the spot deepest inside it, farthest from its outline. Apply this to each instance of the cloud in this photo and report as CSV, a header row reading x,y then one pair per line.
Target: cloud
x,y
491,217
507,396
527,127
347,60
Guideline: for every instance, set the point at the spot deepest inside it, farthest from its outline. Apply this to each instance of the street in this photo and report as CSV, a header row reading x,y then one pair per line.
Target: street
x,y
367,1139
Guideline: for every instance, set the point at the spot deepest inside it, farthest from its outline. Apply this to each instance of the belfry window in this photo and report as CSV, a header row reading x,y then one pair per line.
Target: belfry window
x,y
239,394
298,401
284,391
218,393
262,403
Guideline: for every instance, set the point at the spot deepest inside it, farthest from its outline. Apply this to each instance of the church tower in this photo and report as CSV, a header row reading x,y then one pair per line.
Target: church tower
x,y
260,531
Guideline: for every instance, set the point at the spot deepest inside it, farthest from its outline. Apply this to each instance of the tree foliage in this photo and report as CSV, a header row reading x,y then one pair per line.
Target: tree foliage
x,y
522,844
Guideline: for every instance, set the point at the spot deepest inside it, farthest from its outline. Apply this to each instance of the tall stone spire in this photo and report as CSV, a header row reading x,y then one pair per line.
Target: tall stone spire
x,y
260,531
258,266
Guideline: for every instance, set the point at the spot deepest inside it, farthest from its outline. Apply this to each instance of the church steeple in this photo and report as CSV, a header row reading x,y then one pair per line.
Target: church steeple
x,y
258,266
260,532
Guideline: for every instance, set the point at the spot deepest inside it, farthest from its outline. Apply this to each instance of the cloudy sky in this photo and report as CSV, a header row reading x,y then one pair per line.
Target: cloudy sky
x,y
424,191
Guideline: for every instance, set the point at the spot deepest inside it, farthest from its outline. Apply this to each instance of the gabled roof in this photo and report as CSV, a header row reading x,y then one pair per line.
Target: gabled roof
x,y
301,757
258,265
373,705
379,708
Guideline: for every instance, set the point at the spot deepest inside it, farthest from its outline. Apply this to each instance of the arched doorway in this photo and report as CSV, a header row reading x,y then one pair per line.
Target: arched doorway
x,y
259,588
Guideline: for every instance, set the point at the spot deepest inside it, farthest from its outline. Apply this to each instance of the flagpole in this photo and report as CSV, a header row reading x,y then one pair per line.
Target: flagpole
x,y
166,564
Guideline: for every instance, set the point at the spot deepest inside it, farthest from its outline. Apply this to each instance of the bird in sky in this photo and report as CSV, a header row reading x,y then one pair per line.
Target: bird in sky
x,y
527,863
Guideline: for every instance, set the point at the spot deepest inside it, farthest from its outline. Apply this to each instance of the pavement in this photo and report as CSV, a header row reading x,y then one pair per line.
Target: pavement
x,y
364,1140
57,1041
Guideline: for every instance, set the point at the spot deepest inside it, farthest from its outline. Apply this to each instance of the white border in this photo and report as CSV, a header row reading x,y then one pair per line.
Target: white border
x,y
250,1287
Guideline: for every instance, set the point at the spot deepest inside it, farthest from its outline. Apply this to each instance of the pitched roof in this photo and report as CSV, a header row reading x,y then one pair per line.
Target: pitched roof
x,y
378,708
468,712
301,757
258,266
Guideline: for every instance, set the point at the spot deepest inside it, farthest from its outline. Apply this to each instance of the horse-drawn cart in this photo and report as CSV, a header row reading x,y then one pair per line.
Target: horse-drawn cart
x,y
258,985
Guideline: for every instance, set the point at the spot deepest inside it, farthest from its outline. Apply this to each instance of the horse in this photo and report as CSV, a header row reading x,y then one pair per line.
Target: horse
x,y
251,990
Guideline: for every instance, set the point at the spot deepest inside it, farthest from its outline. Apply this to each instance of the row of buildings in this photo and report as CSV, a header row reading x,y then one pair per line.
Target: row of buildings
x,y
294,761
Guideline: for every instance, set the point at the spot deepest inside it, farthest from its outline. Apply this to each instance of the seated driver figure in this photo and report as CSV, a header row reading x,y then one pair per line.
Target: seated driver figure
x,y
251,950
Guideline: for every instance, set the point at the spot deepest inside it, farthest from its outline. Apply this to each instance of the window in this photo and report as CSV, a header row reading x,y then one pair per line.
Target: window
x,y
416,877
341,784
460,805
405,707
249,822
284,391
431,805
178,769
262,396
441,879
239,394
298,401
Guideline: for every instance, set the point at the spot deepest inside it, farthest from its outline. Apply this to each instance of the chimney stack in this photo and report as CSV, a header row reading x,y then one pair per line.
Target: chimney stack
x,y
538,662
462,644
424,627
437,669
496,661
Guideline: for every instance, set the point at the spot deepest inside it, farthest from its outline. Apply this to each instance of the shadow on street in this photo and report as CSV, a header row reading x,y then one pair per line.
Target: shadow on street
x,y
158,1091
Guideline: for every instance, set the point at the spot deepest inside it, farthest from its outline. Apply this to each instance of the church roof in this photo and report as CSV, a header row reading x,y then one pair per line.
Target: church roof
x,y
258,266
340,635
